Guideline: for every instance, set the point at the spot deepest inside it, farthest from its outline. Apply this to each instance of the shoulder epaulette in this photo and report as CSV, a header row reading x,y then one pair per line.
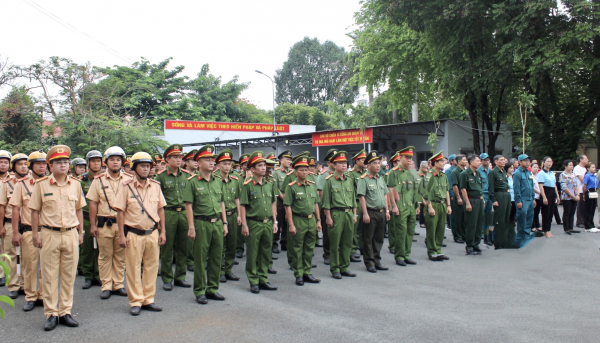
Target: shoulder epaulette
x,y
290,173
395,168
276,168
152,180
386,174
191,177
234,177
128,174
323,172
186,171
76,179
247,181
291,183
126,182
350,170
363,176
160,172
309,181
327,178
41,179
99,176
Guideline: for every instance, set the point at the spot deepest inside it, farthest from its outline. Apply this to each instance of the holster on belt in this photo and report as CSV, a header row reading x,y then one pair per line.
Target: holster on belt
x,y
105,220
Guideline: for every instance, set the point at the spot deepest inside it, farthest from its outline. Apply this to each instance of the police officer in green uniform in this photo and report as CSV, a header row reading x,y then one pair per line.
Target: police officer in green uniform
x,y
312,169
285,159
484,170
258,213
391,228
204,198
458,206
191,166
339,204
88,256
174,184
471,187
320,185
356,172
239,250
402,183
436,196
231,190
499,192
372,190
302,214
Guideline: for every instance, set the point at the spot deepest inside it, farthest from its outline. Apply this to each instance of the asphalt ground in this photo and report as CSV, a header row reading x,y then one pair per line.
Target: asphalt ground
x,y
543,293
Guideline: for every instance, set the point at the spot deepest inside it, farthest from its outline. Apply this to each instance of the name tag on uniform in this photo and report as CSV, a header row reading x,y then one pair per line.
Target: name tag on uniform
x,y
201,188
254,192
300,193
47,194
371,185
169,181
335,186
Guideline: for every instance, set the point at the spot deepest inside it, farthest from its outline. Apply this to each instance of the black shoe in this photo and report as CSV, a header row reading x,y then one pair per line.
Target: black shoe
x,y
558,223
318,245
122,292
39,302
168,286
182,283
13,294
392,251
239,254
355,258
190,268
283,247
434,259
385,235
575,231
471,252
232,277
443,245
267,287
409,261
416,233
327,261
459,241
87,284
215,296
568,232
135,310
381,267
310,279
314,266
401,263
235,263
105,295
443,257
275,250
347,273
580,226
274,258
477,251
2,281
336,275
21,291
223,279
152,307
67,320
29,306
271,271
254,289
51,323
371,269
97,283
414,240
299,281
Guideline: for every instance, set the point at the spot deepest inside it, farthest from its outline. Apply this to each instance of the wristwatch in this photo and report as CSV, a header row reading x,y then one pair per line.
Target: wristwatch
x,y
276,222
225,223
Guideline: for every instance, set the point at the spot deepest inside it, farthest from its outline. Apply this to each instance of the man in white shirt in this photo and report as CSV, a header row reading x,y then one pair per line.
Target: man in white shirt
x,y
579,171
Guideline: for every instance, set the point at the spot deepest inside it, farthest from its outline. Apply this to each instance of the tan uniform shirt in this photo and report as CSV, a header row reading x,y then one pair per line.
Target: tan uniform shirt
x,y
21,197
57,205
6,192
151,197
112,187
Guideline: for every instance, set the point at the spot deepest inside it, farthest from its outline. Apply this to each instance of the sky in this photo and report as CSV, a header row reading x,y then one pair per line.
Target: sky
x,y
233,37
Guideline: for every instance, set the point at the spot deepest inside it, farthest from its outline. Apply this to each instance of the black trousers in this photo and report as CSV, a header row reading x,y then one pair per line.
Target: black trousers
x,y
513,211
536,214
548,210
569,210
557,214
421,216
581,211
590,210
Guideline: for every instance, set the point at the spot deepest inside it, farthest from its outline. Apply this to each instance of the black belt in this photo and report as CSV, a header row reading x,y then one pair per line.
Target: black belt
x,y
591,190
375,209
480,198
260,219
59,228
6,220
109,221
229,212
174,208
25,228
207,218
138,232
343,209
86,216
304,215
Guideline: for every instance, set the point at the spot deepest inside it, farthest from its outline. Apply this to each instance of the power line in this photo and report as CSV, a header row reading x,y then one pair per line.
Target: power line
x,y
483,130
76,30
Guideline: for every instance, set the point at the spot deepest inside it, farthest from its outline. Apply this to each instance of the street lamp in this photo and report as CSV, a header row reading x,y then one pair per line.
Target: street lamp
x,y
273,84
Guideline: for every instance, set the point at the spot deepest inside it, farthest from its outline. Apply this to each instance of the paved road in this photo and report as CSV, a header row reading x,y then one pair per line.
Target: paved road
x,y
544,293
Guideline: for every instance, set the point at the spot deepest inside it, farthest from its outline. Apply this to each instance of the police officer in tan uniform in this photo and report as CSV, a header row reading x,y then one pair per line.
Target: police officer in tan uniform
x,y
21,223
7,187
140,213
5,157
103,220
57,223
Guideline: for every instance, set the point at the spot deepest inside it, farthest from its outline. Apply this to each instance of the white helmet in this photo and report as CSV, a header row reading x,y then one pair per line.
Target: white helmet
x,y
114,151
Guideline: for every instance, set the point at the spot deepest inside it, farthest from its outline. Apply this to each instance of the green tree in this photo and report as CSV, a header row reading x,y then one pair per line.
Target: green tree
x,y
303,115
315,73
20,122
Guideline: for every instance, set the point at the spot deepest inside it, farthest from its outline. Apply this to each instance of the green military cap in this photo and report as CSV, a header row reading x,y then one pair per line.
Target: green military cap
x,y
340,156
256,157
287,153
225,155
373,155
271,156
244,158
312,161
436,157
395,157
304,153
408,151
205,151
235,163
300,161
330,154
174,149
190,155
359,155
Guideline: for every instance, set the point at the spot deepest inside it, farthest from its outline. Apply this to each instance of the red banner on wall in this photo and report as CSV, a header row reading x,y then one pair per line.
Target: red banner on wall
x,y
340,137
221,126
